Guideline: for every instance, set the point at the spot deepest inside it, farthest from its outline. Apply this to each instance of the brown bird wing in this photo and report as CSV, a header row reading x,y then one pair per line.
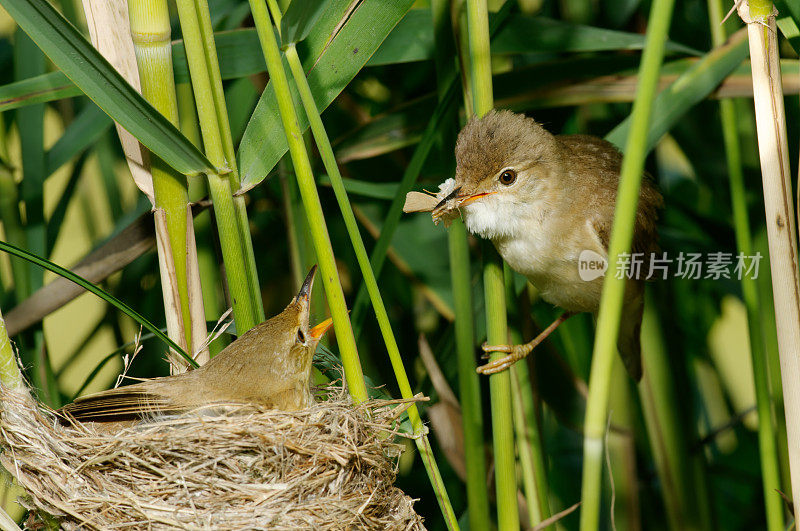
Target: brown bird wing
x,y
131,402
645,239
599,163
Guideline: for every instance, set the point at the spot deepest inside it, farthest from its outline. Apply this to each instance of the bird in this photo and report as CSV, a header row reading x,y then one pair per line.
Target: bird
x,y
542,200
269,366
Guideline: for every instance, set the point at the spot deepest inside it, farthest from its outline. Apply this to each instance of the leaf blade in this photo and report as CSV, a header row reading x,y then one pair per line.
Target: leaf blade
x,y
329,71
96,78
300,18
695,84
88,286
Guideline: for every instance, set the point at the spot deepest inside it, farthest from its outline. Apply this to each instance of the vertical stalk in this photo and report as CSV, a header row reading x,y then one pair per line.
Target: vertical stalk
x,y
9,212
310,197
462,35
529,444
613,287
468,380
770,469
461,281
621,452
233,251
329,161
213,304
10,375
494,290
204,17
533,470
684,498
150,31
768,325
778,203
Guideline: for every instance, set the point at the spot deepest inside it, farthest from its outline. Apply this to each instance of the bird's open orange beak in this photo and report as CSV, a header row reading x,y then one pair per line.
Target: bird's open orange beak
x,y
319,330
473,197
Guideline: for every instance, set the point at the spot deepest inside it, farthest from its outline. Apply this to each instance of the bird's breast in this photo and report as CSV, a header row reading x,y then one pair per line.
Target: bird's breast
x,y
549,260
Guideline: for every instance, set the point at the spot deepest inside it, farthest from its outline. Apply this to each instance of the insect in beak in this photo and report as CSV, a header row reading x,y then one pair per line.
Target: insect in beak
x,y
451,195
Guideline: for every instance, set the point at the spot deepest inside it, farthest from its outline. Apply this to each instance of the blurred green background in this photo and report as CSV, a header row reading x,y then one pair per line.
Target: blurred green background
x,y
570,64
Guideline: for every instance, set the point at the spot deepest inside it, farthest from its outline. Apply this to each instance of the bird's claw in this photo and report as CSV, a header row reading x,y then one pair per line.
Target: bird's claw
x,y
500,364
488,349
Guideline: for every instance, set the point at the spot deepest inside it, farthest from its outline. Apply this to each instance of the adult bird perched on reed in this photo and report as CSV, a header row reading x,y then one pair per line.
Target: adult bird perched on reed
x,y
269,365
545,201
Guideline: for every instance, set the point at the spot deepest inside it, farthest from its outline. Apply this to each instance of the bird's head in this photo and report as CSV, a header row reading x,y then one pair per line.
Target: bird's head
x,y
505,165
301,337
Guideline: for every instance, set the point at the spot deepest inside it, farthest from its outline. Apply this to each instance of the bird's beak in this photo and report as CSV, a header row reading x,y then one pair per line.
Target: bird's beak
x,y
305,289
304,295
318,331
470,198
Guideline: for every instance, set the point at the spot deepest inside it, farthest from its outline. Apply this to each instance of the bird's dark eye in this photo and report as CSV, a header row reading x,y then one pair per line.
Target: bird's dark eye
x,y
508,177
301,337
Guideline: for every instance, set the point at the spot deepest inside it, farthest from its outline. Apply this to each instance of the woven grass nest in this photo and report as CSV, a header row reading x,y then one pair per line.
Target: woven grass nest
x,y
331,466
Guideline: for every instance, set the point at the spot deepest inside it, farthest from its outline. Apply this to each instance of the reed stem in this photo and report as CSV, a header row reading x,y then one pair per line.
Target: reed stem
x,y
613,287
533,471
10,215
461,281
242,222
684,497
781,228
10,375
150,31
469,384
332,168
494,290
770,469
311,203
233,248
529,444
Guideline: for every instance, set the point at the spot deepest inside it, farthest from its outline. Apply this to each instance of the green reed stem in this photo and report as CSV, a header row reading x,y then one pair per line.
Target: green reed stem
x,y
469,384
239,221
494,290
770,469
213,304
529,444
9,213
461,281
311,203
533,470
332,168
769,327
10,375
613,287
218,93
197,47
150,30
685,496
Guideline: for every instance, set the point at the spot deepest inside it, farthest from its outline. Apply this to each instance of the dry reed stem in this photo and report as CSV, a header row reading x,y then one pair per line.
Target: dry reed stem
x,y
780,220
331,466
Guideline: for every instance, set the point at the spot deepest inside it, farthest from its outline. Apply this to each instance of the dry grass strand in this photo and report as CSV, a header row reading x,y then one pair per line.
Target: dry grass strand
x,y
331,466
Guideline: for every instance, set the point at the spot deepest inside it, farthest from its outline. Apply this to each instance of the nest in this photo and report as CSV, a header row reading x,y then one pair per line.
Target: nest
x,y
331,466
